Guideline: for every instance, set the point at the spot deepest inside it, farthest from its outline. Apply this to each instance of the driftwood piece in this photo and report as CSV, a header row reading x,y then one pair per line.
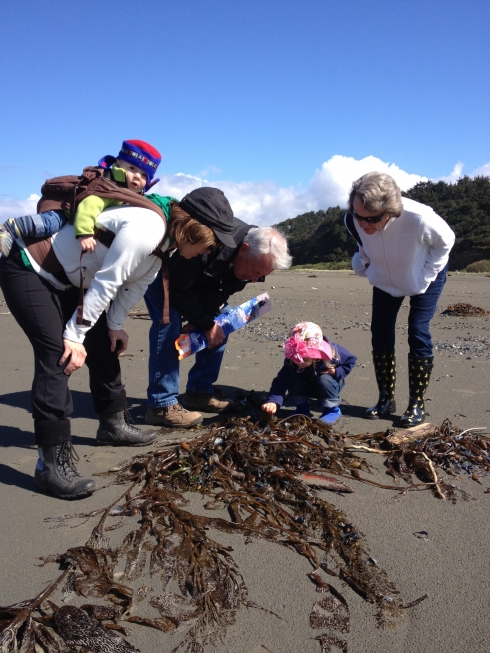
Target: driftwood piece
x,y
362,448
431,466
409,435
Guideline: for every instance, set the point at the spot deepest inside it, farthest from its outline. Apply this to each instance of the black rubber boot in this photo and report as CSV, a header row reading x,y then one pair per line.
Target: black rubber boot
x,y
117,429
56,472
385,369
419,371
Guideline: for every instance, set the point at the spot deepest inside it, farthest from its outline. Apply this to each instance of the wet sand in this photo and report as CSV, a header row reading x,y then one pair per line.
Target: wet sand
x,y
451,566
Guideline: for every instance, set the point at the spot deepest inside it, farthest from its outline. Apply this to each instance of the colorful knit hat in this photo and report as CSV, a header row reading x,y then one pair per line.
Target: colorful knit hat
x,y
140,154
306,341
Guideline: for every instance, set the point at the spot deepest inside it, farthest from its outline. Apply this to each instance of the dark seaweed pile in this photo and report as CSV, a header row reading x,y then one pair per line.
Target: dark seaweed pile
x,y
464,310
251,472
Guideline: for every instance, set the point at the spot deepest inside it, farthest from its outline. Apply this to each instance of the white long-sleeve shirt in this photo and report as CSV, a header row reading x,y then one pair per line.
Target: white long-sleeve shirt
x,y
406,255
121,272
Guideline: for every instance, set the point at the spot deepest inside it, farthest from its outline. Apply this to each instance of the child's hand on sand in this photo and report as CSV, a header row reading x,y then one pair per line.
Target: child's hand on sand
x,y
87,243
270,408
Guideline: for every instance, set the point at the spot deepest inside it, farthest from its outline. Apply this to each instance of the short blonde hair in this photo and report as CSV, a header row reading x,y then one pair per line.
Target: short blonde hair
x,y
188,231
378,192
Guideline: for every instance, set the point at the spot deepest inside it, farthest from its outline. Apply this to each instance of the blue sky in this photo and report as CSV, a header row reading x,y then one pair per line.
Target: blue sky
x,y
280,103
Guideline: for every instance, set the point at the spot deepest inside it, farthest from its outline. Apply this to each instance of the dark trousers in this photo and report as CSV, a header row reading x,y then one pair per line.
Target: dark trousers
x,y
324,387
42,313
422,309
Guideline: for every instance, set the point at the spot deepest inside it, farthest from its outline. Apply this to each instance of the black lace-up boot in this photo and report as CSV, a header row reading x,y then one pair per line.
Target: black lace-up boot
x,y
55,469
385,369
118,429
419,371
56,472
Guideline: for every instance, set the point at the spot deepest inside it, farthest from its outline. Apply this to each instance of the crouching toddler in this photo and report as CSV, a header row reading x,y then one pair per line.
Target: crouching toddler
x,y
313,367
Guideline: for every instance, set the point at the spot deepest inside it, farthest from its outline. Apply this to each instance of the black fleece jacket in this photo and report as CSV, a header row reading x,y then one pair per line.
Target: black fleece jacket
x,y
201,285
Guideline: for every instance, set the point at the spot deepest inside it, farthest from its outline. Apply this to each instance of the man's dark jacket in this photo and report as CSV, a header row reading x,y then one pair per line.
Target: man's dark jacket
x,y
201,285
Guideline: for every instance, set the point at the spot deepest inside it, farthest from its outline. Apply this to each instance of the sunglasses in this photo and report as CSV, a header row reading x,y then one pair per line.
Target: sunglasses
x,y
374,219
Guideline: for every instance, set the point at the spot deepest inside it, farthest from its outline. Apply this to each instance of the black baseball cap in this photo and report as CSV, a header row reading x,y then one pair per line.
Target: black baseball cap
x,y
210,207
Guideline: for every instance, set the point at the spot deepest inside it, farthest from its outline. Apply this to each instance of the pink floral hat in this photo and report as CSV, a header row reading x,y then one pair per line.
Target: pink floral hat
x,y
306,341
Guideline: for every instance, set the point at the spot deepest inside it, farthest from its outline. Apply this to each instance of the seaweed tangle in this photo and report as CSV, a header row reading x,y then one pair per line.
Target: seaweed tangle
x,y
417,453
263,479
40,625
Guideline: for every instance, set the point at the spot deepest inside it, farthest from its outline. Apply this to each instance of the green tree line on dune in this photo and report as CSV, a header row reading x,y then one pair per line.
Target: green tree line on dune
x,y
321,238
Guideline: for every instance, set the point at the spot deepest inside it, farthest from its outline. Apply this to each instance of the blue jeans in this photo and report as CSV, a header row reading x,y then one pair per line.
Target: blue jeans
x,y
422,309
324,387
163,364
38,225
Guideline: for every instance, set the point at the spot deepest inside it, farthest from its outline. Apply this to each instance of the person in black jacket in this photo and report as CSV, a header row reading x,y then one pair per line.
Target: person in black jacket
x,y
199,292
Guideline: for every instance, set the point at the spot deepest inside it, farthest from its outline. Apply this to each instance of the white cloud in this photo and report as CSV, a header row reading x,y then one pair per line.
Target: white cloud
x,y
265,202
457,173
483,171
177,185
334,179
210,170
454,175
13,207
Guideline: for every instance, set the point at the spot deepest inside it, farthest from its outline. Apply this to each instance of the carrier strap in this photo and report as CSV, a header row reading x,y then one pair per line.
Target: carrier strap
x,y
166,290
81,294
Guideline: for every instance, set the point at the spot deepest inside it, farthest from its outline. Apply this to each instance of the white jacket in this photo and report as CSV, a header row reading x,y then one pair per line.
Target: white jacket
x,y
121,272
406,255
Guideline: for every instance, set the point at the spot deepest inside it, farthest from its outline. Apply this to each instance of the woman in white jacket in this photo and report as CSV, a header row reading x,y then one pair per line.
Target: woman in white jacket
x,y
39,281
403,251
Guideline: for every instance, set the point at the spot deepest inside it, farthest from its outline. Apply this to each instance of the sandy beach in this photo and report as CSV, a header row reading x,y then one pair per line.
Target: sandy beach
x,y
450,565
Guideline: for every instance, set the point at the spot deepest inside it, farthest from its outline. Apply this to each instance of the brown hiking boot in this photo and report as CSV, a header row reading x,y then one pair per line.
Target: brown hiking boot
x,y
175,416
208,402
